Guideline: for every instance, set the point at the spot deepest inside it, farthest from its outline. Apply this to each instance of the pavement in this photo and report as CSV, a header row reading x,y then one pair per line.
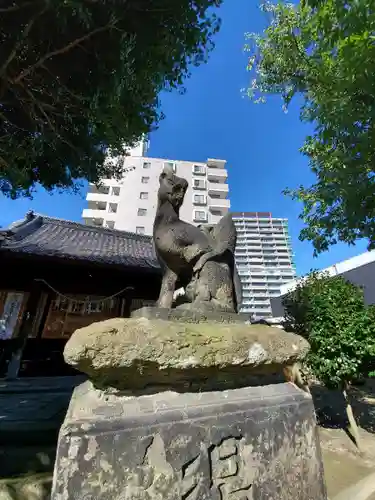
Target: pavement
x,y
347,471
31,413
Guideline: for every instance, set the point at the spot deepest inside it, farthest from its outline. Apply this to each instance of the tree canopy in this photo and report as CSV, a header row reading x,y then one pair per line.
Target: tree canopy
x,y
80,76
324,51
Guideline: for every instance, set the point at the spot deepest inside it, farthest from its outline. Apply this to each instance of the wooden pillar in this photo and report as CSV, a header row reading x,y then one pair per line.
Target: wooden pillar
x,y
24,331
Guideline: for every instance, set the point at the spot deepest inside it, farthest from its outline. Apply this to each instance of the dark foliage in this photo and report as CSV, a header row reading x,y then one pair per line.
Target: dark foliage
x,y
80,76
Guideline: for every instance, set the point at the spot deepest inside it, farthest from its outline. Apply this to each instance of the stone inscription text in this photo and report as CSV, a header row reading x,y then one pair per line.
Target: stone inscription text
x,y
219,472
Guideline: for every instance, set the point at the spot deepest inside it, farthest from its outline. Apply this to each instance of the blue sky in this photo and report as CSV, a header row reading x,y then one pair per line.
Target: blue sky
x,y
212,119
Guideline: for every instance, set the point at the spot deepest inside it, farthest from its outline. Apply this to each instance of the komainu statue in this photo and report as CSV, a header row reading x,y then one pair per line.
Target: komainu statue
x,y
200,259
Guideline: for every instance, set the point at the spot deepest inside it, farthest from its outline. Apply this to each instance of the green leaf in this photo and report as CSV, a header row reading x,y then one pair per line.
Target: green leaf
x,y
323,50
80,77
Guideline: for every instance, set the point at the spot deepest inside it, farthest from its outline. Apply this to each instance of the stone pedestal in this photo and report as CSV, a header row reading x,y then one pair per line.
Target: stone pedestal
x,y
171,415
256,443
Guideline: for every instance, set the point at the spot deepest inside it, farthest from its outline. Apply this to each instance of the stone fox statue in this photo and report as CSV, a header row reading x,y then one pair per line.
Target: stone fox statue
x,y
200,258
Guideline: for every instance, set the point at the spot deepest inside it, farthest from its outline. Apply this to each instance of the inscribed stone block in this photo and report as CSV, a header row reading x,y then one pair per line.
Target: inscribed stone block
x,y
255,443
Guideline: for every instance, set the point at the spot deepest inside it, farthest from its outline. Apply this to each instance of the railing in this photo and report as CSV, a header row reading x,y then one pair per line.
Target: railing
x,y
89,213
218,202
217,173
218,187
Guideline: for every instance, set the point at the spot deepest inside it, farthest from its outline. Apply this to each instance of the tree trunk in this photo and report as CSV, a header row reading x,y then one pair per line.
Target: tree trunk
x,y
353,427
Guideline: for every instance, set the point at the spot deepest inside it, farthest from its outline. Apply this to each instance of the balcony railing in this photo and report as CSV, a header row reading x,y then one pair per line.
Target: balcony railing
x,y
219,203
219,174
98,197
218,187
93,189
89,213
216,163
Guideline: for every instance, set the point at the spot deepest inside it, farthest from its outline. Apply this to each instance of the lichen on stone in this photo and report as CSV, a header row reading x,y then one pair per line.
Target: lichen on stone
x,y
126,352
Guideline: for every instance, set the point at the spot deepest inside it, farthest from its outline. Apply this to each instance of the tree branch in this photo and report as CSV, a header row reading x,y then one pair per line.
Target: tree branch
x,y
14,8
25,33
77,97
40,105
3,162
62,50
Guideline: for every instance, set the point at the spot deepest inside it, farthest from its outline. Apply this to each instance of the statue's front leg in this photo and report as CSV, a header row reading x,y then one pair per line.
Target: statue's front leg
x,y
168,286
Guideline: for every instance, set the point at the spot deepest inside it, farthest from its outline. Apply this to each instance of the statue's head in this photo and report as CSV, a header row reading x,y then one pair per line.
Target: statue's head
x,y
172,188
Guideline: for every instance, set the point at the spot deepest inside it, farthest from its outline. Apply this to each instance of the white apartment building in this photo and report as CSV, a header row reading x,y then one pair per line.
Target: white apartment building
x,y
264,259
130,204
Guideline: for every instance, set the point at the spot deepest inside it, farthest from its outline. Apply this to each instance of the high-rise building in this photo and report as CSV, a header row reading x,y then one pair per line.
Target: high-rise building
x,y
130,204
264,259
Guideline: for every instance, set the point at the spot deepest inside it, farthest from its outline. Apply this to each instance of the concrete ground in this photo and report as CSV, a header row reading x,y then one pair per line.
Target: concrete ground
x,y
20,407
344,464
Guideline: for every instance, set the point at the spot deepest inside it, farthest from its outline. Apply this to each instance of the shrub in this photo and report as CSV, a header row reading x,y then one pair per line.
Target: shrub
x,y
331,314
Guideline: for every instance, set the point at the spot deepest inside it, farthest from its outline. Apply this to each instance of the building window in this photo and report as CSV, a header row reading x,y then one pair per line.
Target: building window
x,y
199,184
129,169
110,224
200,199
146,164
142,211
103,190
215,212
140,230
143,195
199,170
115,191
200,215
112,208
145,180
98,205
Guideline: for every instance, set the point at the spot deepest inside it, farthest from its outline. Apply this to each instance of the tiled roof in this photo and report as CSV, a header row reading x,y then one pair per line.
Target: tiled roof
x,y
62,239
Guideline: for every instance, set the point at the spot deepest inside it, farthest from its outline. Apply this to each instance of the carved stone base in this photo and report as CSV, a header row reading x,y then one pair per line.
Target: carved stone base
x,y
188,315
257,443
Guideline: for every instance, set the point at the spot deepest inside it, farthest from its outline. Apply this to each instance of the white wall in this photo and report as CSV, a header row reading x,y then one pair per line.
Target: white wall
x,y
339,268
131,186
129,201
127,217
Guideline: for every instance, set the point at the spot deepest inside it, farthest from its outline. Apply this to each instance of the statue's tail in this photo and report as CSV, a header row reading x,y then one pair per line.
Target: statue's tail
x,y
225,235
